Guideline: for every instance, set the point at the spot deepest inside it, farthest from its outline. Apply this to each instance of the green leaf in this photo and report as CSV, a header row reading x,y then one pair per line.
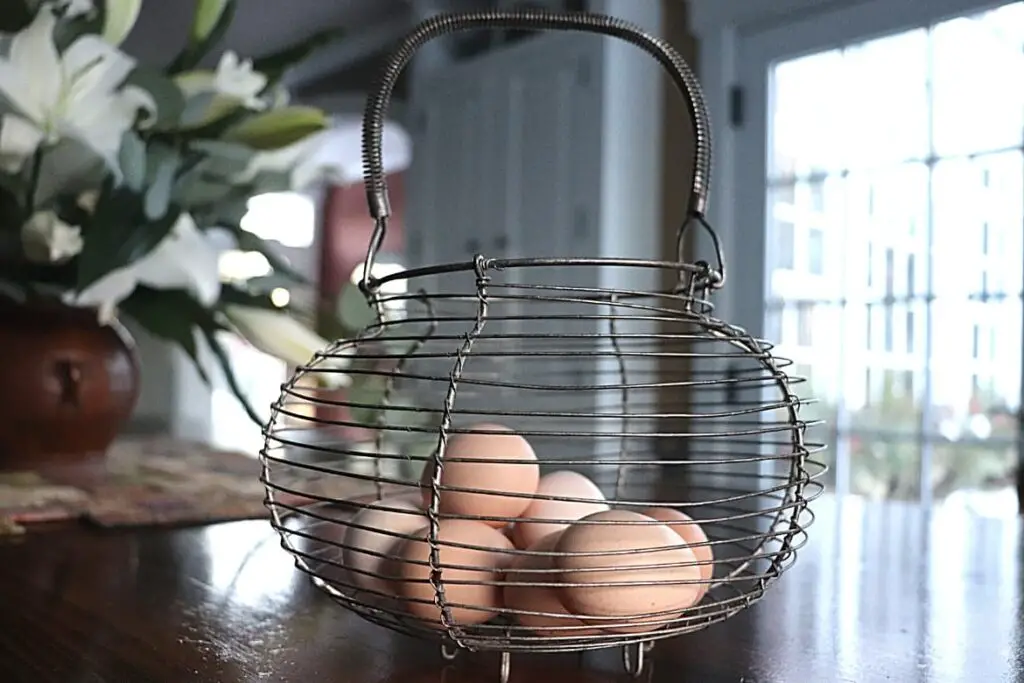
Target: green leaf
x,y
118,234
119,19
370,390
222,158
276,64
13,191
353,310
176,316
170,101
168,314
132,159
367,390
278,128
210,22
205,110
221,355
197,110
214,129
271,181
69,167
196,188
158,194
249,242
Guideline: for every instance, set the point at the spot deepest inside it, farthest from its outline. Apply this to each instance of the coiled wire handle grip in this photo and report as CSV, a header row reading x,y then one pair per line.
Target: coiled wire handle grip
x,y
434,27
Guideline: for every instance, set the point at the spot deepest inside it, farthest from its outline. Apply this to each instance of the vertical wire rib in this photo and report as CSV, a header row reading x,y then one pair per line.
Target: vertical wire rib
x,y
613,334
433,510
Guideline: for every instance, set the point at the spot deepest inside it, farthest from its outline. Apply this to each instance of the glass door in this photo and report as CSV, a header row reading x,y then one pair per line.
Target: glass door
x,y
888,139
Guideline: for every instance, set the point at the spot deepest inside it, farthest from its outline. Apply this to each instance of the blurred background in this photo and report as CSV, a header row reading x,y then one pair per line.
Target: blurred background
x,y
868,189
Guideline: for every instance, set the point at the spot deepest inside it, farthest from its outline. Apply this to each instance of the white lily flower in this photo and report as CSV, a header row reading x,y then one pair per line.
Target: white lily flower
x,y
185,259
236,78
76,94
282,336
45,238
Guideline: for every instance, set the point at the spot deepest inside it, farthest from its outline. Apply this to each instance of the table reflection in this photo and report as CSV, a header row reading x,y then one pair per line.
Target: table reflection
x,y
246,565
880,613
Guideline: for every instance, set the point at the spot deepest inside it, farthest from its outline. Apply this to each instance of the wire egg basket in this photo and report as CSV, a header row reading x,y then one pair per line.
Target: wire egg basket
x,y
543,454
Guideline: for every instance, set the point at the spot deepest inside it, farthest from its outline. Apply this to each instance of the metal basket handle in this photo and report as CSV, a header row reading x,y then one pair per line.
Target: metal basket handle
x,y
376,106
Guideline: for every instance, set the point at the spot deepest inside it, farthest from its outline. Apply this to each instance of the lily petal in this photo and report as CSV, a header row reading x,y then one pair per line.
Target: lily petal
x,y
109,290
19,139
282,336
185,259
31,76
237,79
92,64
140,104
103,118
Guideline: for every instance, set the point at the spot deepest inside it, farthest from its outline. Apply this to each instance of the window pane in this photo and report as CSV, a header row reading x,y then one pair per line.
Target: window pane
x,y
808,115
820,363
976,361
887,245
979,106
885,400
781,228
892,70
884,468
979,213
980,475
806,239
816,251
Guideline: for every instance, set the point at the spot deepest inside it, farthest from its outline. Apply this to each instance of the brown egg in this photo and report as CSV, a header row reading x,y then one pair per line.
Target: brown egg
x,y
652,556
467,574
491,478
555,515
693,535
560,623
373,533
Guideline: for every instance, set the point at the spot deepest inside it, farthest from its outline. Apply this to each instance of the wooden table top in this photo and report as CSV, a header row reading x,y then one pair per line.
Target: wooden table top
x,y
884,592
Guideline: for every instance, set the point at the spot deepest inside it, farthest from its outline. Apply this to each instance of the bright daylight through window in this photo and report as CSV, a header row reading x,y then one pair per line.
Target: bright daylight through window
x,y
894,215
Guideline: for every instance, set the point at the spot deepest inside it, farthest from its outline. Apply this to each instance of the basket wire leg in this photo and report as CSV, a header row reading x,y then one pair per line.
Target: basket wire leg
x,y
449,652
506,667
634,657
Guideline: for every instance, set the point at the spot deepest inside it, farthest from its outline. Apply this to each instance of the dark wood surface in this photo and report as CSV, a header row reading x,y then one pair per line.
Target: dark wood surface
x,y
882,593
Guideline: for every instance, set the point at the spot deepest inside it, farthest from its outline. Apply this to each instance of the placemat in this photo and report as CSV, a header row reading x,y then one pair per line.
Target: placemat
x,y
149,481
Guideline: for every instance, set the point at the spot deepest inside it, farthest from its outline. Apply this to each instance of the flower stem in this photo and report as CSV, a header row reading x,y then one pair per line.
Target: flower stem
x,y
33,182
221,355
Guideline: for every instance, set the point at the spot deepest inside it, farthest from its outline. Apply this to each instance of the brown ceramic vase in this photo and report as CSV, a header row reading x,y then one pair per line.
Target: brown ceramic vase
x,y
67,384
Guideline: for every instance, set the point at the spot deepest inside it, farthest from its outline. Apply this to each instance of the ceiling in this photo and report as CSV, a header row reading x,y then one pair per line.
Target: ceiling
x,y
262,26
336,78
